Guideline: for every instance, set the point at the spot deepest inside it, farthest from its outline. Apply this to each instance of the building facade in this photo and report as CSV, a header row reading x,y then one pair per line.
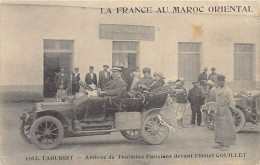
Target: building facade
x,y
38,39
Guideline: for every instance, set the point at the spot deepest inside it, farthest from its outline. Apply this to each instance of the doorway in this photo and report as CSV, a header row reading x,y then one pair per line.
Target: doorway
x,y
125,56
57,53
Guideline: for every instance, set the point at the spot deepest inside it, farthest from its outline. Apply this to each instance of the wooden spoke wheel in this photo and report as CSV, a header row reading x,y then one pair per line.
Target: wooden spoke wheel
x,y
153,130
239,119
47,132
24,129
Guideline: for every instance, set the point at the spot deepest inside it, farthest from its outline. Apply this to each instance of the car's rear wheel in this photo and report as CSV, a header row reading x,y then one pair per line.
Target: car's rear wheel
x,y
131,134
153,130
24,129
47,132
239,119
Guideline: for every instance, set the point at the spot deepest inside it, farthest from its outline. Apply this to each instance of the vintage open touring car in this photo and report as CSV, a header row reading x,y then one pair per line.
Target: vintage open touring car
x,y
47,123
247,110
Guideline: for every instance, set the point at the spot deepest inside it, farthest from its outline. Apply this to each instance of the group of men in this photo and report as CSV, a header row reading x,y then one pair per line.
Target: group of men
x,y
203,77
210,89
90,78
110,84
202,92
74,80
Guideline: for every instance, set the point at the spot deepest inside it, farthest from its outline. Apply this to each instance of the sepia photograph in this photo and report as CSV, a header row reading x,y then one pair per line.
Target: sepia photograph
x,y
130,82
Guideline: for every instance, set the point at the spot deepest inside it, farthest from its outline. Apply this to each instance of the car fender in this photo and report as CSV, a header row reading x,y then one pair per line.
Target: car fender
x,y
66,122
148,112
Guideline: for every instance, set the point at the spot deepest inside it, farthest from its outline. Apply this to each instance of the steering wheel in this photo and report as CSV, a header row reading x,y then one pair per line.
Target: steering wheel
x,y
85,86
88,88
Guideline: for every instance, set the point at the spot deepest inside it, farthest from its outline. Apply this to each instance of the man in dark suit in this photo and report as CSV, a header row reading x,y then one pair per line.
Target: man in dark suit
x,y
62,78
202,80
104,77
196,99
75,80
91,77
116,86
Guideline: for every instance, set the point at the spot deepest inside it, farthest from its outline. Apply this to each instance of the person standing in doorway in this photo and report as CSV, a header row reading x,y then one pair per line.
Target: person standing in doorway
x,y
213,75
104,77
91,77
61,78
75,80
224,127
196,99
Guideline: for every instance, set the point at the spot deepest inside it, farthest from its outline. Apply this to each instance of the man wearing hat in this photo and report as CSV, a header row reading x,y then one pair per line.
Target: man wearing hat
x,y
116,86
213,75
75,80
104,77
224,127
61,78
203,78
91,77
196,99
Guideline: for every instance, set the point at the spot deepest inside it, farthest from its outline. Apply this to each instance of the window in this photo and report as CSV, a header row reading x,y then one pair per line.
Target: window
x,y
243,61
58,46
125,53
188,60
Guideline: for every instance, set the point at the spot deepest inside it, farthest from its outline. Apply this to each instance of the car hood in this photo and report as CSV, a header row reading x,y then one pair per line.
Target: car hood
x,y
253,93
57,106
250,93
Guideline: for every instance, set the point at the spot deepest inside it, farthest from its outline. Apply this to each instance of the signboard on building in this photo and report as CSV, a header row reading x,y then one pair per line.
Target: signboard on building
x,y
126,32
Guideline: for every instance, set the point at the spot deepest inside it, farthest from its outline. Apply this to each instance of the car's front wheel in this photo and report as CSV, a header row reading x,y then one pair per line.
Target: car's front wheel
x,y
131,134
47,132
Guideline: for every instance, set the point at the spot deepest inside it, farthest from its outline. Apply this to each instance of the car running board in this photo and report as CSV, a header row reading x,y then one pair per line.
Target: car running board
x,y
96,131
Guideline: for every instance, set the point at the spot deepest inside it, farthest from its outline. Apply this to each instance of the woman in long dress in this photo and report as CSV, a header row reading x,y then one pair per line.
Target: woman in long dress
x,y
224,127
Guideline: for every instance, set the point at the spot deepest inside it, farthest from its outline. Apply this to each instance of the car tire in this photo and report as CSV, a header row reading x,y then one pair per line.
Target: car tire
x,y
24,130
153,130
131,134
239,119
47,132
